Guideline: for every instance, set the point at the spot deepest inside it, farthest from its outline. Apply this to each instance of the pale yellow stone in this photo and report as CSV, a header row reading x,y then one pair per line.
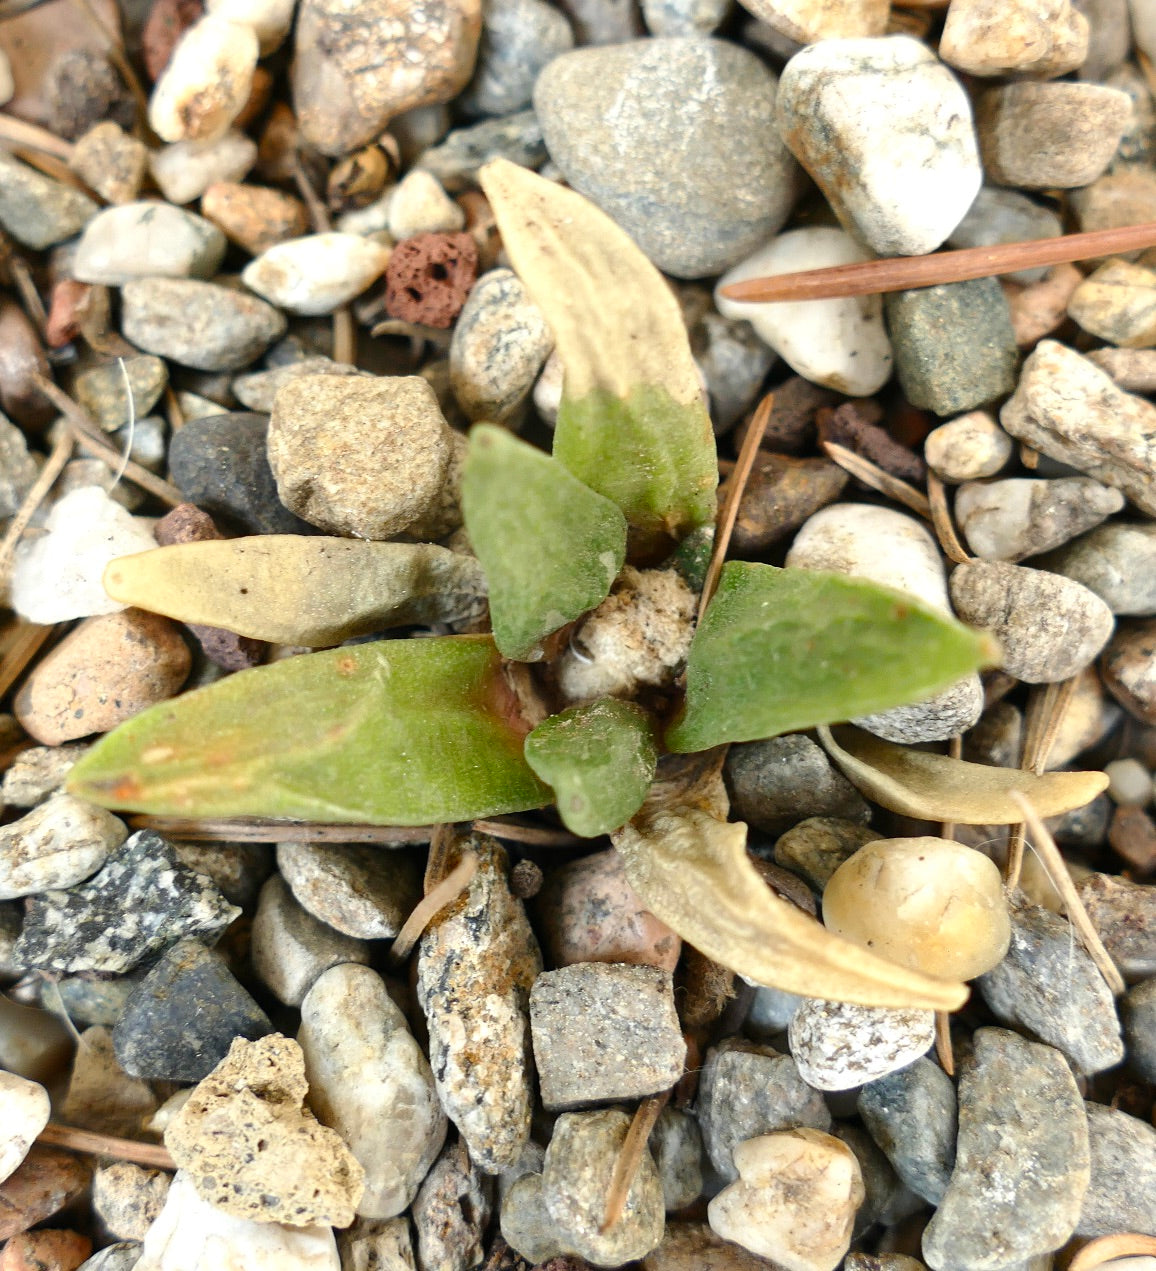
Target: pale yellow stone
x,y
1118,304
809,20
1008,37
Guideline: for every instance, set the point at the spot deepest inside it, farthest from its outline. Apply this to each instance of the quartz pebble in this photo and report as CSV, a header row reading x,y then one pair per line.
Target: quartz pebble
x,y
105,671
809,21
369,1081
419,205
1118,304
604,1032
57,577
54,1250
358,456
519,37
1041,38
24,1112
968,448
101,1096
41,1186
252,1149
186,169
128,1198
1008,520
839,1045
291,948
198,324
58,844
181,1019
612,115
360,891
193,1235
451,1212
36,210
1123,1183
254,217
318,273
1022,1166
885,130
475,967
840,344
1050,988
499,344
795,1201
122,1256
206,83
270,19
911,1114
1049,136
1006,216
747,1090
129,387
1049,628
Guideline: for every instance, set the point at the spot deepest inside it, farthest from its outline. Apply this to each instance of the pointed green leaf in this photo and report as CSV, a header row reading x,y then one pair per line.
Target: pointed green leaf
x,y
398,732
549,545
783,649
632,423
297,590
600,759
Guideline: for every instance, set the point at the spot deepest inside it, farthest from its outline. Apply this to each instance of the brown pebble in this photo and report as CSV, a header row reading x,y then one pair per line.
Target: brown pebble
x,y
21,359
65,312
186,523
791,427
106,671
167,21
1132,835
259,93
357,180
42,1186
277,146
526,879
781,493
1128,666
1041,308
253,216
429,277
45,1251
852,426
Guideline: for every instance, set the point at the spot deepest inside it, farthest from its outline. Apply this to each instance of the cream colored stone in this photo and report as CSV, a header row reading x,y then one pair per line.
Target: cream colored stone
x,y
1014,37
269,19
806,21
419,205
968,448
206,83
186,169
24,1112
1118,304
318,273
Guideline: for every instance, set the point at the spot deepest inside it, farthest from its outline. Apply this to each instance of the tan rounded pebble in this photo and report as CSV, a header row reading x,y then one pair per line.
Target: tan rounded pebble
x,y
7,83
207,82
968,448
253,216
24,1112
55,1250
359,456
128,1198
253,1150
1129,669
318,273
1041,38
106,671
1041,308
1129,782
270,19
1118,304
186,169
110,162
419,205
795,1201
47,1181
926,903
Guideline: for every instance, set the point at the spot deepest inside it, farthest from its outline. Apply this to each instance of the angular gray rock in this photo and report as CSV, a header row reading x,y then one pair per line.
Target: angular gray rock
x,y
1122,1193
1117,561
360,891
912,1115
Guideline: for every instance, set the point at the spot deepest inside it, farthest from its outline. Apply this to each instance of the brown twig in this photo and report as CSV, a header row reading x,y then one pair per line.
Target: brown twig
x,y
531,835
29,296
176,416
27,644
1129,1244
431,904
630,1157
941,520
58,456
15,134
123,66
256,830
878,479
943,1048
729,512
66,1136
898,273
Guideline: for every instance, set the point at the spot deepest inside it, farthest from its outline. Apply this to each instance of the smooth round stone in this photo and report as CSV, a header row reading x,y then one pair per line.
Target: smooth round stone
x,y
318,273
841,344
198,324
419,205
840,1045
35,209
147,240
1050,136
1117,561
1008,520
1006,216
968,448
361,891
1048,627
1129,783
885,130
927,903
253,217
1118,304
518,38
207,82
612,116
57,845
269,19
795,1201
24,1112
1041,38
186,169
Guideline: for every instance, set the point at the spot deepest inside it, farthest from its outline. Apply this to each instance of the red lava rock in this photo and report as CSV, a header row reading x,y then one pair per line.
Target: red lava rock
x,y
42,1186
65,312
167,21
853,426
45,1251
429,277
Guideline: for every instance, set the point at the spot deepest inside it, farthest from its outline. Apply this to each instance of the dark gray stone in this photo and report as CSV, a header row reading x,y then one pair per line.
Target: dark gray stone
x,y
954,344
35,209
456,160
887,1199
911,1114
1048,987
519,37
1122,1193
184,1015
1138,1012
816,847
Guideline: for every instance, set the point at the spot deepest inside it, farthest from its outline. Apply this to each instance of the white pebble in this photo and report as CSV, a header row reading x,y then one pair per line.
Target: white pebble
x,y
206,83
57,845
420,206
1129,782
371,219
24,1112
318,273
839,1045
270,19
548,390
186,169
58,577
841,344
147,240
968,448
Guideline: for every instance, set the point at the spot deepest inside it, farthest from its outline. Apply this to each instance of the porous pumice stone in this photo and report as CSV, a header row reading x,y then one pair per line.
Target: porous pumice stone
x,y
927,903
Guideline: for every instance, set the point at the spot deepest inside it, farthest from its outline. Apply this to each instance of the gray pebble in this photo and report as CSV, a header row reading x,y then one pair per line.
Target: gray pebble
x,y
456,160
1049,627
1048,987
998,737
912,1115
746,1091
58,844
199,324
840,1045
37,773
1116,561
604,1032
519,37
526,1224
238,869
1109,38
676,1144
684,17
104,393
499,345
816,847
36,210
770,1012
954,344
734,362
887,1199
18,470
361,891
258,390
1022,1164
949,712
451,1213
1138,1013
777,783
88,1001
122,1256
149,239
1124,915
290,948
1122,1193
1006,216
1008,520
613,116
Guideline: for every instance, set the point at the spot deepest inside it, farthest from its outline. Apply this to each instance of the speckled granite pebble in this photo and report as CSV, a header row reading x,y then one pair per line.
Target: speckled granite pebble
x,y
839,1045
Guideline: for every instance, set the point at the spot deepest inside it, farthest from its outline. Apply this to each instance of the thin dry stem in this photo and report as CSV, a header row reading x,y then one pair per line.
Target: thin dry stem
x,y
1130,1244
15,134
730,508
24,648
941,520
874,476
431,904
898,273
176,416
58,456
344,330
532,835
630,1157
256,830
88,1141
344,337
29,296
943,1048
440,842
1053,862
